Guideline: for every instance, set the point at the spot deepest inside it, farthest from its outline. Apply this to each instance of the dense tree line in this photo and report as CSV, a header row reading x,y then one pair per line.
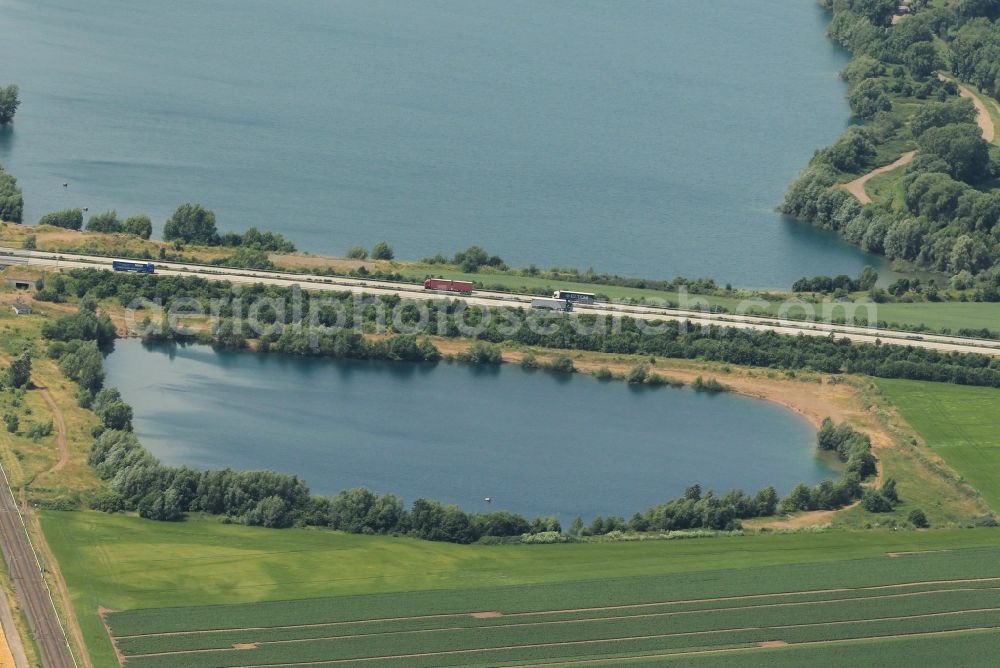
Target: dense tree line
x,y
865,280
948,218
70,219
670,338
194,224
140,225
854,449
470,260
695,510
11,200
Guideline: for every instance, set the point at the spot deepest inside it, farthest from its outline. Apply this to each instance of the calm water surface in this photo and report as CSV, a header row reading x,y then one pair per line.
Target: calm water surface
x,y
643,138
536,442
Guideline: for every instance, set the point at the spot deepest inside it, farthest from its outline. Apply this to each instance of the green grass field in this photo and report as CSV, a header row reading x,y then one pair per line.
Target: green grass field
x,y
123,563
960,423
580,621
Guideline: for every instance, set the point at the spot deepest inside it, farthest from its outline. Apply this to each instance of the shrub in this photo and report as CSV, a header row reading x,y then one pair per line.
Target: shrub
x,y
70,219
382,251
562,363
482,353
637,374
918,519
357,253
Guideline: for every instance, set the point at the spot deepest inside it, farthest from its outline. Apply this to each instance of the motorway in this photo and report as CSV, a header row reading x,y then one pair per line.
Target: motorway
x,y
938,342
29,584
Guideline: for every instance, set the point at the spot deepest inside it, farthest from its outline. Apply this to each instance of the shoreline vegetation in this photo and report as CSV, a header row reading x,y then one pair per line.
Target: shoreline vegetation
x,y
138,482
926,139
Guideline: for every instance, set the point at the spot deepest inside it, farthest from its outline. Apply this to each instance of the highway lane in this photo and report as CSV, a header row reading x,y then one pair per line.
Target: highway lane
x,y
939,342
29,584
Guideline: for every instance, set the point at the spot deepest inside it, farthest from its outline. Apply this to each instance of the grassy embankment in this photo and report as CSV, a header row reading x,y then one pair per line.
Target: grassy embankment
x,y
50,469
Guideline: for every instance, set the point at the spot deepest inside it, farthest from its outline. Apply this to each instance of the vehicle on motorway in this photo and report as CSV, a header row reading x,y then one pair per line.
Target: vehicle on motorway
x,y
575,297
447,285
138,267
552,304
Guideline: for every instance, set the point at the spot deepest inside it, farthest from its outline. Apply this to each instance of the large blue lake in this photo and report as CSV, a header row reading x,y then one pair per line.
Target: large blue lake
x,y
536,442
643,138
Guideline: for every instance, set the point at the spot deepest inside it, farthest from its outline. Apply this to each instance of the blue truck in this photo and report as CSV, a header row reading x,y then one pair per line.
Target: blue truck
x,y
138,267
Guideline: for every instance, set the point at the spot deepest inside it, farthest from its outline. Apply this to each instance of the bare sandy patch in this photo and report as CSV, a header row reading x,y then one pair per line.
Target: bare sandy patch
x,y
492,614
244,645
772,643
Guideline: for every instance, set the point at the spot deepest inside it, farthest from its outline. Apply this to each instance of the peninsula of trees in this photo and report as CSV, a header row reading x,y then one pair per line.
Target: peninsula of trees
x,y
943,214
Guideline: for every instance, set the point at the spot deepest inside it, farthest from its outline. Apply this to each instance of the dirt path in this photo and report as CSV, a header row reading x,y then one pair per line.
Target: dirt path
x,y
60,424
983,118
857,186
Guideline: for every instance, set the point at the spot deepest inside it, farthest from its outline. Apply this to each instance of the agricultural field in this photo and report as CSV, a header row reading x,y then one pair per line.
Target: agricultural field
x,y
620,618
159,577
960,423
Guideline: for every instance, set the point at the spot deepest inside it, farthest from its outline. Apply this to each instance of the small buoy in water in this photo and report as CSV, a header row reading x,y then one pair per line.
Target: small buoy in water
x,y
86,208
488,500
65,185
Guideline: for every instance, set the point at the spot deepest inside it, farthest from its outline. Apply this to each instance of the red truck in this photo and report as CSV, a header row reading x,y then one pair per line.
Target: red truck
x,y
449,286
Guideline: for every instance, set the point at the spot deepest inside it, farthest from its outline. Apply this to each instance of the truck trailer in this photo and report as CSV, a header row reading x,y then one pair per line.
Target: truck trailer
x,y
552,304
138,267
447,285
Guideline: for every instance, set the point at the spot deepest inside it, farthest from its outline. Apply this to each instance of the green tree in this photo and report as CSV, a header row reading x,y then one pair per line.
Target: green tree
x,y
851,151
12,421
961,147
9,102
878,12
11,199
141,226
192,223
30,242
918,519
70,219
875,502
922,59
867,278
357,253
868,98
104,222
382,251
939,114
19,374
116,415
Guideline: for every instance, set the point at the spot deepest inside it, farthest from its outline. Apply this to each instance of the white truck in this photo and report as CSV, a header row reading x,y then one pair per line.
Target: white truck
x,y
552,304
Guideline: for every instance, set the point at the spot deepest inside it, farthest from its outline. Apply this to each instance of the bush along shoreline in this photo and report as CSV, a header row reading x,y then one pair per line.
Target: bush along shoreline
x,y
137,481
